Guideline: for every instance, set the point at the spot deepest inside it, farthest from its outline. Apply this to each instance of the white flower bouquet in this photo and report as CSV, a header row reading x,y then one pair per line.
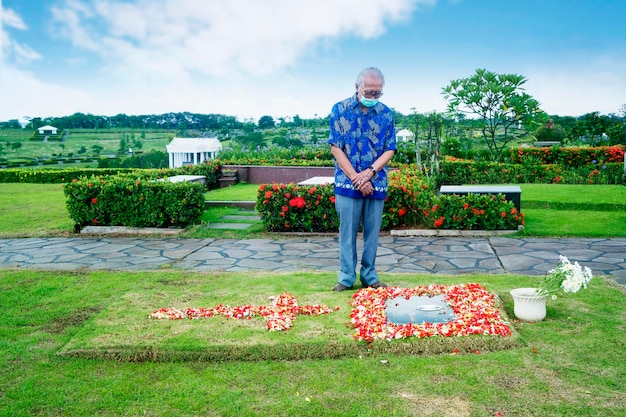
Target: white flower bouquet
x,y
567,277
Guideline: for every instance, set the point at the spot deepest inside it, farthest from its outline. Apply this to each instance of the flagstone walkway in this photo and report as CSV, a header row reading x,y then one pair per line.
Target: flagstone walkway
x,y
423,255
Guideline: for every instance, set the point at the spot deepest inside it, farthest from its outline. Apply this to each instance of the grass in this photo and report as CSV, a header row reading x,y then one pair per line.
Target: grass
x,y
569,364
550,211
109,139
33,210
81,344
238,192
574,210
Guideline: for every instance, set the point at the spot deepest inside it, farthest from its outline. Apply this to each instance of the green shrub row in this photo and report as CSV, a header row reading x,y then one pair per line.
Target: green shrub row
x,y
482,172
211,170
128,200
570,156
411,202
321,156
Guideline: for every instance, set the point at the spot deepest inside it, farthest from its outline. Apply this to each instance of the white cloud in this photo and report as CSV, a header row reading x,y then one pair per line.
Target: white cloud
x,y
19,52
11,19
216,37
599,85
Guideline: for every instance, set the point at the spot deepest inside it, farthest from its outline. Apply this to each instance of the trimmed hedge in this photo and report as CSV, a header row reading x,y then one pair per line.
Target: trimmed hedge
x,y
127,200
455,171
570,156
210,169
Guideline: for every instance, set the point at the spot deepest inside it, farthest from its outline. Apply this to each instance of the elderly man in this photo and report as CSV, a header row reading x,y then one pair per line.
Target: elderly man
x,y
363,141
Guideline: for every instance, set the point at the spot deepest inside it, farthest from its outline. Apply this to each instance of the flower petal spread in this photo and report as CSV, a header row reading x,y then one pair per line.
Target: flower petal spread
x,y
473,306
279,314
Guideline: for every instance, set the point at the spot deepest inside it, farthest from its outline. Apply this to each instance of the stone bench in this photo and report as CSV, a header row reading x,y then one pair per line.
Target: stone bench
x,y
318,181
188,178
511,192
545,144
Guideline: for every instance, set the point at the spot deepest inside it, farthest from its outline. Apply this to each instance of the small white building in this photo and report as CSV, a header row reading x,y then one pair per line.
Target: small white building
x,y
47,130
404,135
192,151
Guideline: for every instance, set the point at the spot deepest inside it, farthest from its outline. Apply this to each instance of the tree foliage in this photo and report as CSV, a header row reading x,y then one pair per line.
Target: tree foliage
x,y
266,122
498,100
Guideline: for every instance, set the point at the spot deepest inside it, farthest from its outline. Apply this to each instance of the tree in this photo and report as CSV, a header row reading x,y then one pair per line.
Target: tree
x,y
266,122
16,145
500,103
96,149
429,132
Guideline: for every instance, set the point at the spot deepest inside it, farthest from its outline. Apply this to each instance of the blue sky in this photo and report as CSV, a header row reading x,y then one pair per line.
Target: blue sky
x,y
250,58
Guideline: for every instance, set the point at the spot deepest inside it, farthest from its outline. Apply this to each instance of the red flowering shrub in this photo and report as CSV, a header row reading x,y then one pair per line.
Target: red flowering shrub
x,y
408,193
297,208
473,211
456,171
575,156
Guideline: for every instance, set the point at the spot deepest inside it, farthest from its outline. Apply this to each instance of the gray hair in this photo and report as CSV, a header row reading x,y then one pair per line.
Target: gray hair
x,y
369,72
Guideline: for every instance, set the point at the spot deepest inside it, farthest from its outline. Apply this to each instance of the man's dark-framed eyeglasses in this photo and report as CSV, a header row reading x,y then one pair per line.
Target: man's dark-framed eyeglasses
x,y
372,93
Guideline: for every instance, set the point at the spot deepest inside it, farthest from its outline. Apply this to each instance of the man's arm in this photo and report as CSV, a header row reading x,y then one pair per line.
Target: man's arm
x,y
343,162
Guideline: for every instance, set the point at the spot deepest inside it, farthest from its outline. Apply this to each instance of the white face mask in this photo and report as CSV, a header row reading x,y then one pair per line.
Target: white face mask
x,y
368,102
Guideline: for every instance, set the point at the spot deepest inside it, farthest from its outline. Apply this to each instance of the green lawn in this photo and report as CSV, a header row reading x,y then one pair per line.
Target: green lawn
x,y
238,192
570,364
81,343
574,210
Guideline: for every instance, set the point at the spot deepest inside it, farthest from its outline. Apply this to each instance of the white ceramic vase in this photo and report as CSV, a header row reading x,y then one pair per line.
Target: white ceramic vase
x,y
527,305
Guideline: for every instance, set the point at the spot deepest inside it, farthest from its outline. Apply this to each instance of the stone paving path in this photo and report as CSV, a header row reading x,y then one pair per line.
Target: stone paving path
x,y
436,255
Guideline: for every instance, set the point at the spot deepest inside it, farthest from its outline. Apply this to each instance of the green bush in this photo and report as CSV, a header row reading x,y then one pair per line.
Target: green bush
x,y
127,200
531,171
473,212
210,169
570,156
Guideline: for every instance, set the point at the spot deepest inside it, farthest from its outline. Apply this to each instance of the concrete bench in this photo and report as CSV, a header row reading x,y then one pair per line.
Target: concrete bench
x,y
188,178
318,181
511,192
545,144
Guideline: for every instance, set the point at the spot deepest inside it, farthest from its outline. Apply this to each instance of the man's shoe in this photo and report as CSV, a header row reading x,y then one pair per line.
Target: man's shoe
x,y
378,284
340,287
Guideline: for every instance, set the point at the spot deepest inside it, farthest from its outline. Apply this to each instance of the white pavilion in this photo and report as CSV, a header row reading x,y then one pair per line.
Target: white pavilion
x,y
192,151
405,135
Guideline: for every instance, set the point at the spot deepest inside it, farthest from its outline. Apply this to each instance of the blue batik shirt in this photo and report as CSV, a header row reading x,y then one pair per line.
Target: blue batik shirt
x,y
363,137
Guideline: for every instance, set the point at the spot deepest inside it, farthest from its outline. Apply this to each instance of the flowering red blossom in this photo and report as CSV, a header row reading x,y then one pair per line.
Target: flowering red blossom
x,y
94,200
439,222
268,195
297,202
402,212
473,306
279,314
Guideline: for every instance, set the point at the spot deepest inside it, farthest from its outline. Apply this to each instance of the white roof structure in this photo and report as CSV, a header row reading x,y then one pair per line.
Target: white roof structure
x,y
405,135
192,151
47,128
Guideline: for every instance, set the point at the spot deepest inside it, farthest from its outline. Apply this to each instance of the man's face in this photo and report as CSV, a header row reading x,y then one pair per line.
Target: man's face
x,y
372,88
